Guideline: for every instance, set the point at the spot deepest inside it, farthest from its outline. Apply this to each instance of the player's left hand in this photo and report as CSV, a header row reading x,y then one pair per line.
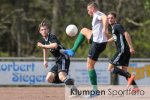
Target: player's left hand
x,y
39,44
132,51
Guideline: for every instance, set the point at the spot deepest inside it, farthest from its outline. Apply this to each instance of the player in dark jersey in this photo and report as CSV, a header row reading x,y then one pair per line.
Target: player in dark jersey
x,y
59,71
124,50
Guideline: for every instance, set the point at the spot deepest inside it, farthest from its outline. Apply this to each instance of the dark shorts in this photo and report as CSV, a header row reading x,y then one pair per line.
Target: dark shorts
x,y
96,49
62,65
121,59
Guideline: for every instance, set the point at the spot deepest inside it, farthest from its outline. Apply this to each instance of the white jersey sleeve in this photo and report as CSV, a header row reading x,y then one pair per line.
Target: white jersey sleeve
x,y
98,17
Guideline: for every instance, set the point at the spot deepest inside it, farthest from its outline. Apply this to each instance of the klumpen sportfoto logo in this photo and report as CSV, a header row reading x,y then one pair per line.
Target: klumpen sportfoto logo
x,y
106,91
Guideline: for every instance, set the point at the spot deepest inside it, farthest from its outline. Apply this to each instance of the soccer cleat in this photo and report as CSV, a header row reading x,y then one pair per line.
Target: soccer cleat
x,y
69,52
130,80
135,90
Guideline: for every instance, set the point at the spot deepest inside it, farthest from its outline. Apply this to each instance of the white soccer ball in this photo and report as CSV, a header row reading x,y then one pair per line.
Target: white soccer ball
x,y
71,30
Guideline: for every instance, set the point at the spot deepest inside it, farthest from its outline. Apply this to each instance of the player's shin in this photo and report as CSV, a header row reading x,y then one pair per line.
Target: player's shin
x,y
78,42
121,72
93,78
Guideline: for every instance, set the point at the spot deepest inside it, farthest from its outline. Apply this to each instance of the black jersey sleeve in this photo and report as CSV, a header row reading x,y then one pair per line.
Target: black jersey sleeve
x,y
53,39
119,29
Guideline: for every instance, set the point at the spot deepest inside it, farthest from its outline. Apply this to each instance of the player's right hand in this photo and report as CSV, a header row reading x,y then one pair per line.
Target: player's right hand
x,y
132,51
45,64
39,44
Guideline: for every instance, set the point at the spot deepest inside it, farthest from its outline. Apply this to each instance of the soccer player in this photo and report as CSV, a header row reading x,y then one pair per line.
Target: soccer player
x,y
97,38
49,42
124,50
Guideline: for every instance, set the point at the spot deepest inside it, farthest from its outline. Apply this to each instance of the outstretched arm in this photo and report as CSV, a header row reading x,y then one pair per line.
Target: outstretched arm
x,y
48,46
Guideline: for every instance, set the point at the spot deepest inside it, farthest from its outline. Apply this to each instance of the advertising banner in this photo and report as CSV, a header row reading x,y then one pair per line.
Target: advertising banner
x,y
33,72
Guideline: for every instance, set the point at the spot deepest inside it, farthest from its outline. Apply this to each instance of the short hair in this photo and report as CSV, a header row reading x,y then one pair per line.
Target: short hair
x,y
43,23
112,13
92,4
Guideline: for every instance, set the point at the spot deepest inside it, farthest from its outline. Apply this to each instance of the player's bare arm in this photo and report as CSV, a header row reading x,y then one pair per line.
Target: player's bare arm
x,y
105,25
45,54
128,39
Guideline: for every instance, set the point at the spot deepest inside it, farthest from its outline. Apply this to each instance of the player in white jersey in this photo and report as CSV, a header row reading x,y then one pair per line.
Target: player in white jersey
x,y
97,38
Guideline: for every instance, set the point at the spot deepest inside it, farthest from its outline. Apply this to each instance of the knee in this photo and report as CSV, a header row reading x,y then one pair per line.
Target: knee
x,y
50,77
110,67
62,76
83,30
90,65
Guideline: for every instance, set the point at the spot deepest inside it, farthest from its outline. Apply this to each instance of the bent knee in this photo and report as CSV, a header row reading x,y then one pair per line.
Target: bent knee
x,y
86,32
62,76
110,67
90,64
50,77
83,30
